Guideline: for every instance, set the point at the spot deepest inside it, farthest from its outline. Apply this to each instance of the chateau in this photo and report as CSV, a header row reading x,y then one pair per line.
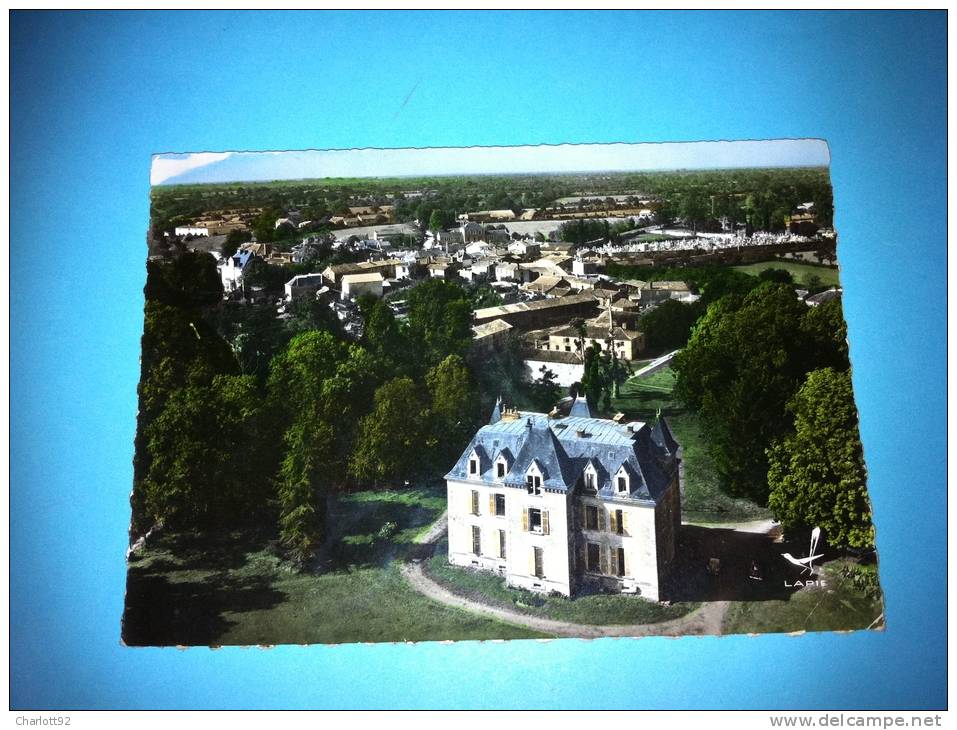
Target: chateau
x,y
553,502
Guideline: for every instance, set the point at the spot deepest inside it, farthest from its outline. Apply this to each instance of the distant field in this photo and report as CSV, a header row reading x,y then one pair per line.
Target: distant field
x,y
232,589
800,272
703,499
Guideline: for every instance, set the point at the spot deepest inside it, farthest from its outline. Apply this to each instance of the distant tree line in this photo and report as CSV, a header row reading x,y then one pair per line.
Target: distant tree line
x,y
759,197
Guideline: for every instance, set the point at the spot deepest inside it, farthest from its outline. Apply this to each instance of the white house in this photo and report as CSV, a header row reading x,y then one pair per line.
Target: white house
x,y
355,285
527,249
231,269
584,267
303,284
554,502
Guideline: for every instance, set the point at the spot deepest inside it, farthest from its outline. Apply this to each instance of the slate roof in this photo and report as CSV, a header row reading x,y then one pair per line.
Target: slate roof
x,y
562,447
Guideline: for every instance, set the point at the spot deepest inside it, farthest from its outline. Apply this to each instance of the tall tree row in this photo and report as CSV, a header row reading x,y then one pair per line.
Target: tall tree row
x,y
760,370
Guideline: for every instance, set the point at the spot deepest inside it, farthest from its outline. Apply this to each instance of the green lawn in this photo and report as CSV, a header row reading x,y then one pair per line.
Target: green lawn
x,y
703,499
596,609
828,275
232,588
838,606
653,237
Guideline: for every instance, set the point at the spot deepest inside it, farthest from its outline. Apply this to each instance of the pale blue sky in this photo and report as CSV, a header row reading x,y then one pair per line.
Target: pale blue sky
x,y
252,166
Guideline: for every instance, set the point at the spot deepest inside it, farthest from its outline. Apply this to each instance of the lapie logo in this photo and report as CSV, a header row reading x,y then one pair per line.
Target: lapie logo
x,y
806,564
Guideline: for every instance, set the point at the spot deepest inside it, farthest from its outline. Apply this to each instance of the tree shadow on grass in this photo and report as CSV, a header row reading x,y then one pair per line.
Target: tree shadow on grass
x,y
362,537
751,566
181,596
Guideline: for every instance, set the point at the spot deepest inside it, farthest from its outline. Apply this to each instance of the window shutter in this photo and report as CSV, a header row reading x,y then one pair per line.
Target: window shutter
x,y
612,519
624,563
531,561
525,520
601,518
624,522
491,504
614,560
603,562
544,522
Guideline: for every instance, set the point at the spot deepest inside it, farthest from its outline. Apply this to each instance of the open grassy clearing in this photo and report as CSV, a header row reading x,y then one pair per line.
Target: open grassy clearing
x,y
231,588
800,272
703,499
595,609
838,606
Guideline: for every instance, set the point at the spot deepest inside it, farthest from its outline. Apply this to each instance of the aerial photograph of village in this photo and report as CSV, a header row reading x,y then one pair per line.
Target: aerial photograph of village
x,y
496,393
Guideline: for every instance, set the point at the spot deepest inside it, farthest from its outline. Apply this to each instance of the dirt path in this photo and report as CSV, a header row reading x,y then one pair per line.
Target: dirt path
x,y
708,619
705,620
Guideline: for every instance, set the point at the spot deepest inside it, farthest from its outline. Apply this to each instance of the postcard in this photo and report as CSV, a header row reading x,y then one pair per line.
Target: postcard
x,y
582,390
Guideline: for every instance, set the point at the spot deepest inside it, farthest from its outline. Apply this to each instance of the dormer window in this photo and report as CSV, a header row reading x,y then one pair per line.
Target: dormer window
x,y
591,478
473,464
533,479
622,481
501,467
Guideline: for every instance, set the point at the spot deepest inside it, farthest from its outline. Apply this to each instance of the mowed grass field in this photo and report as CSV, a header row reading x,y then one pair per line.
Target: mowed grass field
x,y
837,606
801,272
703,499
232,588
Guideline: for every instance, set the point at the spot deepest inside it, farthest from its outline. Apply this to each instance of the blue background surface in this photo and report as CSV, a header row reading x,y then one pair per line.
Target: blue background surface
x,y
94,94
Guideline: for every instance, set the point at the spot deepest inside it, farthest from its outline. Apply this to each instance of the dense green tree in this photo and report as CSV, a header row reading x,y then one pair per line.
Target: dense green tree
x,y
392,438
816,474
668,326
319,388
208,465
382,336
826,333
781,276
544,390
439,220
584,230
618,373
308,313
483,296
596,379
693,208
178,349
297,374
264,225
439,321
454,408
303,484
189,280
721,281
742,364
